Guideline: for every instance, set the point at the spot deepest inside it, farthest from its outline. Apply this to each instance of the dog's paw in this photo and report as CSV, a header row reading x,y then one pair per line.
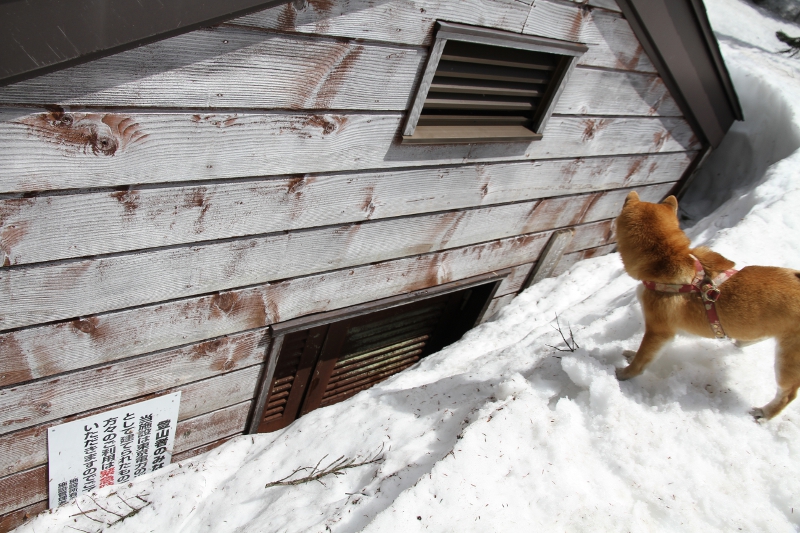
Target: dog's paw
x,y
629,355
621,373
758,414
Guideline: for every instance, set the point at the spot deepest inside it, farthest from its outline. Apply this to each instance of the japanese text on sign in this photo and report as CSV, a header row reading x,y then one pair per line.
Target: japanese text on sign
x,y
112,447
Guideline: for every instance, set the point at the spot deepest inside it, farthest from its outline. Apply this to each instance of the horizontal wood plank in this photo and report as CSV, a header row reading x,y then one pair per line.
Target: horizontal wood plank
x,y
611,41
610,203
31,295
408,21
42,151
211,427
194,452
45,350
380,79
598,233
23,489
236,68
609,37
27,448
38,402
607,92
512,283
19,517
79,225
569,260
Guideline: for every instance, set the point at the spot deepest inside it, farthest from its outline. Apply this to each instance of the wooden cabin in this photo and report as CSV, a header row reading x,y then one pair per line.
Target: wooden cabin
x,y
272,208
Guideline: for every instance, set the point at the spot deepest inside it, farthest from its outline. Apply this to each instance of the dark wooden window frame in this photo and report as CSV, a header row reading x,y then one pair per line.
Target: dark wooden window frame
x,y
279,331
446,31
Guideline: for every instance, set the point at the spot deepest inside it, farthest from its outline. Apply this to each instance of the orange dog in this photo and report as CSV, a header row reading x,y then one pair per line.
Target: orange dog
x,y
756,303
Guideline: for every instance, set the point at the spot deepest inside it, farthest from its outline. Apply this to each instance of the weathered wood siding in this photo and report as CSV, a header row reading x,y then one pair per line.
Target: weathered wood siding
x,y
161,208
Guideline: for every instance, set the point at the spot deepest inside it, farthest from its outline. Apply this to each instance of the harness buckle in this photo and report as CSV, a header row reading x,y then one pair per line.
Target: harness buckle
x,y
710,292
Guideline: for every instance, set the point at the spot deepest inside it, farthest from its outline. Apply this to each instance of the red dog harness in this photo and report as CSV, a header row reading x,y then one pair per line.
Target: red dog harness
x,y
708,289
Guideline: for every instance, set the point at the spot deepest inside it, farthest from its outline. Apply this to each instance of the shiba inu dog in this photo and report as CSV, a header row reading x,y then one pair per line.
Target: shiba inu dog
x,y
696,291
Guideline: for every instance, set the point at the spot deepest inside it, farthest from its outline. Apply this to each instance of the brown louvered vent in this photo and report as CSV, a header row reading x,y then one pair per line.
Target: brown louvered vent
x,y
325,364
298,355
484,85
377,349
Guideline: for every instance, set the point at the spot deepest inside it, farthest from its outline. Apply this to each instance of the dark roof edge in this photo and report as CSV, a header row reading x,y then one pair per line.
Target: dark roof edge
x,y
678,39
41,36
716,54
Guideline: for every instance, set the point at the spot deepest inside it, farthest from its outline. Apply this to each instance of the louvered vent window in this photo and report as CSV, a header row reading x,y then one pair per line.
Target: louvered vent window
x,y
323,364
484,85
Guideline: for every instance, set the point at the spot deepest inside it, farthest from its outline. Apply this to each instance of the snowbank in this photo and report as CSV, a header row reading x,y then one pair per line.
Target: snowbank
x,y
502,432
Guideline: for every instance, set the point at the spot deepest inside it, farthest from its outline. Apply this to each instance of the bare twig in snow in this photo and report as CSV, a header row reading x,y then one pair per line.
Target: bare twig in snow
x,y
335,468
571,344
106,510
86,514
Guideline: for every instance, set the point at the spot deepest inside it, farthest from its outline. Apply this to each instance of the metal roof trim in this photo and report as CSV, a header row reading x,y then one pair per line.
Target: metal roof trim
x,y
677,36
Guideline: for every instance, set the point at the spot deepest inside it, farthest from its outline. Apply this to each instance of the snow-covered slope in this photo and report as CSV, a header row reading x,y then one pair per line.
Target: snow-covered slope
x,y
501,432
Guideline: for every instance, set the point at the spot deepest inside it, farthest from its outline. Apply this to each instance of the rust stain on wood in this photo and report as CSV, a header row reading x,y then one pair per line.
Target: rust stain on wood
x,y
21,516
451,221
432,272
225,301
128,198
86,325
659,138
330,86
196,197
571,169
223,121
368,206
631,62
656,84
98,134
15,366
272,309
327,123
250,304
12,207
11,236
288,18
295,185
588,204
575,28
323,7
592,126
633,169
208,349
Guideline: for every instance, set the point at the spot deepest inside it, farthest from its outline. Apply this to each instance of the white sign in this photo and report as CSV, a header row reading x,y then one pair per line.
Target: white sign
x,y
112,447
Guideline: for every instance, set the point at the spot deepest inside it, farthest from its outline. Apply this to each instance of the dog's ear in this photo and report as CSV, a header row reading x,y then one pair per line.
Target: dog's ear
x,y
672,202
712,261
633,197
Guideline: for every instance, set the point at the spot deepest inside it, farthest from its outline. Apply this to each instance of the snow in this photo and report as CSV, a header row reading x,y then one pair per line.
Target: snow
x,y
500,431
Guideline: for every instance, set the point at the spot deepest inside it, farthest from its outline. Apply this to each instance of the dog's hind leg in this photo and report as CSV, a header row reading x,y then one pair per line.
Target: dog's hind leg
x,y
652,342
787,374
